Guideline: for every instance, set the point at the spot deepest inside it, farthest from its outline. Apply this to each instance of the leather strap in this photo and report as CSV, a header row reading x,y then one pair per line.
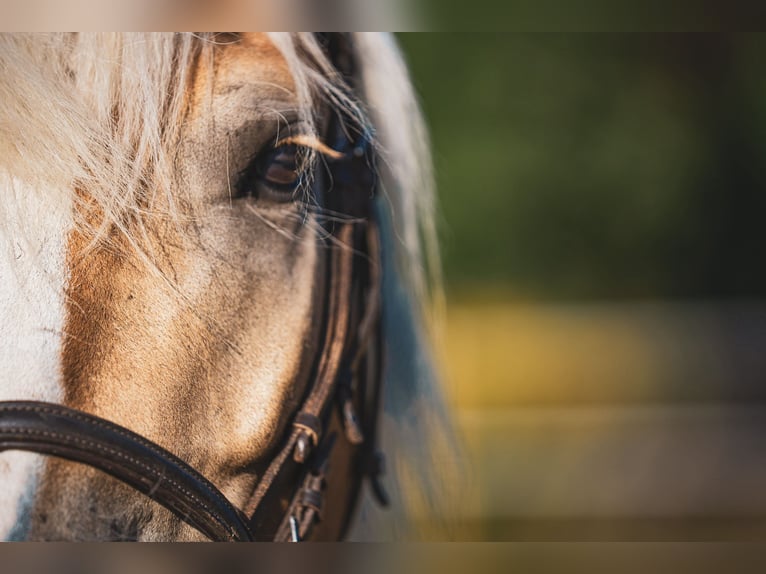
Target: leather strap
x,y
267,514
57,430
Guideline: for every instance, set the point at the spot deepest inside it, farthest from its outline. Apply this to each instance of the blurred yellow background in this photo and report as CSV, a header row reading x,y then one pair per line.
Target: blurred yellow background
x,y
610,421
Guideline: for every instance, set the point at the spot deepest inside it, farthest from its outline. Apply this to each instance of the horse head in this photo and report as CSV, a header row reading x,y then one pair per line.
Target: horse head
x,y
183,231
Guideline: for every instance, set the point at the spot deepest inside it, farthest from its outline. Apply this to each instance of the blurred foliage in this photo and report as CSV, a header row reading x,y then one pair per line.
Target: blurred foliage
x,y
598,166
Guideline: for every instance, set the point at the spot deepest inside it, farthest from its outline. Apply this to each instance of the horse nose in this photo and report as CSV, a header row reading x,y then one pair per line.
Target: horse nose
x,y
77,503
19,477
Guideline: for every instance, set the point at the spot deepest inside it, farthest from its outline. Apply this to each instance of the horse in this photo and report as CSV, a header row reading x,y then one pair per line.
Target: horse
x,y
217,260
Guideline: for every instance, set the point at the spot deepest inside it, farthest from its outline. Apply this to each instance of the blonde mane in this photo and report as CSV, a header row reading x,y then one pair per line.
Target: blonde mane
x,y
98,116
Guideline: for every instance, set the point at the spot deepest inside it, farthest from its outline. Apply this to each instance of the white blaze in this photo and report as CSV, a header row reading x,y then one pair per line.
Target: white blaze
x,y
33,233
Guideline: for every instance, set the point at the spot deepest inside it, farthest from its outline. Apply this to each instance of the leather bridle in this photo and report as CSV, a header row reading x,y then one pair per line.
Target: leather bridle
x,y
332,437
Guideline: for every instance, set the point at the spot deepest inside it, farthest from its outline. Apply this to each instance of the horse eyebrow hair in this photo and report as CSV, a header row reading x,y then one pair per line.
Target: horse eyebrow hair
x,y
312,142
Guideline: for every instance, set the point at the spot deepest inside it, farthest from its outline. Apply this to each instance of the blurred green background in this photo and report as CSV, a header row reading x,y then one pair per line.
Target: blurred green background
x,y
602,199
598,166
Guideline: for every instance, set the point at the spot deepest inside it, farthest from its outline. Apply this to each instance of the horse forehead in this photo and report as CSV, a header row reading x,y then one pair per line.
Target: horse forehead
x,y
255,54
254,61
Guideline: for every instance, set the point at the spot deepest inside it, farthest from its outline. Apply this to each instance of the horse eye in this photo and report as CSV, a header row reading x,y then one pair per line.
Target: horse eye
x,y
275,174
279,168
